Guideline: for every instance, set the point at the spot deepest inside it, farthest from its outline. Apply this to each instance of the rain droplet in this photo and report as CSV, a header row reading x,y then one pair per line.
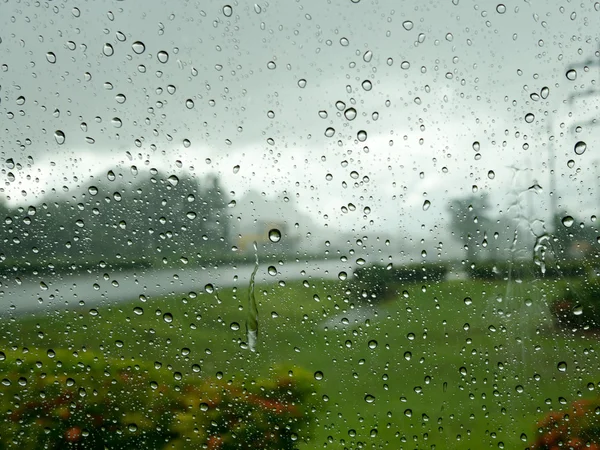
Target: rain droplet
x,y
329,132
302,83
578,310
562,366
274,235
318,375
367,85
408,25
209,288
227,11
342,275
372,344
368,56
545,92
500,8
350,113
568,221
162,56
108,49
110,175
491,175
571,75
529,118
570,164
60,137
173,180
362,135
271,65
138,47
426,205
405,65
138,311
234,326
116,122
51,57
580,148
369,398
272,270
340,105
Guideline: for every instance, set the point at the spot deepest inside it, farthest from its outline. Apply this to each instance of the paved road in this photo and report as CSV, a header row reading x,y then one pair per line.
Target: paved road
x,y
44,294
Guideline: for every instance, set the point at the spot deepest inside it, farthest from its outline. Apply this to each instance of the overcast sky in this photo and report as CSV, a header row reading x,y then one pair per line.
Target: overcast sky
x,y
426,81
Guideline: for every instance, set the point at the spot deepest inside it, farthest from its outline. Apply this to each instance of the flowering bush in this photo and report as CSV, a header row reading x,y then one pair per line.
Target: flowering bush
x,y
91,403
577,428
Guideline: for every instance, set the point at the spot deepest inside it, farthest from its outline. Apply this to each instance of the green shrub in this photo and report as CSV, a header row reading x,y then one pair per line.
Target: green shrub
x,y
377,282
578,307
67,401
577,428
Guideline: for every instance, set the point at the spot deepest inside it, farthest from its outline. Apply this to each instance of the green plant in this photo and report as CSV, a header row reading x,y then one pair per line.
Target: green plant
x,y
577,428
61,400
578,307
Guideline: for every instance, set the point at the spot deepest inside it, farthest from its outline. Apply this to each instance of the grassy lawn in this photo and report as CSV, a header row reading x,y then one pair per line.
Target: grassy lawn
x,y
458,364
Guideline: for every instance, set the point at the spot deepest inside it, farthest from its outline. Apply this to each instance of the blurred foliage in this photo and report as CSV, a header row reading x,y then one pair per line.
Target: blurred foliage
x,y
527,269
578,307
376,283
577,428
65,400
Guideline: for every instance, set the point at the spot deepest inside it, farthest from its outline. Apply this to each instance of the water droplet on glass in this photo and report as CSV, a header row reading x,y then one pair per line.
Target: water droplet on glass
x,y
529,118
227,11
367,85
568,221
116,122
318,375
571,75
173,180
491,175
562,366
162,56
368,56
350,113
426,205
60,137
138,47
578,310
408,25
372,344
272,270
500,8
274,235
234,326
405,65
340,105
110,175
209,288
361,135
329,132
342,276
369,398
108,49
580,148
271,65
51,57
545,92
138,311
570,164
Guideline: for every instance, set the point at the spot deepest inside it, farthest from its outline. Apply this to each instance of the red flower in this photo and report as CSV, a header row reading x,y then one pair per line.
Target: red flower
x,y
73,434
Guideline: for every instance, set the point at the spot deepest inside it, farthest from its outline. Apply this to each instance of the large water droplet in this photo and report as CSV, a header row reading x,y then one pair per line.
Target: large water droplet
x,y
580,148
329,132
529,118
562,366
173,180
60,137
369,398
108,49
362,135
568,221
227,10
571,75
162,56
274,235
368,56
426,205
408,25
350,114
302,83
367,85
318,375
500,8
51,57
138,47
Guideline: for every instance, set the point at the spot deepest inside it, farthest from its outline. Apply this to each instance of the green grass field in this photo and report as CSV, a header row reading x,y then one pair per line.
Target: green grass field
x,y
450,365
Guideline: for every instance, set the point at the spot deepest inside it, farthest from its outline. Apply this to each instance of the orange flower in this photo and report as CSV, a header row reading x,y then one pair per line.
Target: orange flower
x,y
73,434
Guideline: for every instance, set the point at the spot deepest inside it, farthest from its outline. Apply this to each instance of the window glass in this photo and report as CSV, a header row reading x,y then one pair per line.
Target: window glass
x,y
309,224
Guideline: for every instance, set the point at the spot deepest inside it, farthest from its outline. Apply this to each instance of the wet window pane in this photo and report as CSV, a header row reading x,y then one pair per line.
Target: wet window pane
x,y
351,224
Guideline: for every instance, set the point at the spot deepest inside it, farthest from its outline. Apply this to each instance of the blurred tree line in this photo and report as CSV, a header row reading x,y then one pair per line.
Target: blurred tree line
x,y
148,219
